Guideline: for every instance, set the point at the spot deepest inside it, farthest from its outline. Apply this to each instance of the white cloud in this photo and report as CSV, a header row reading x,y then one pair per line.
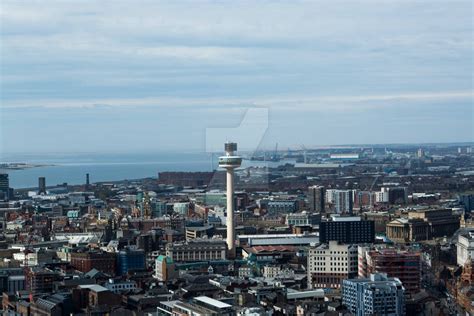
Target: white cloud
x,y
307,103
301,56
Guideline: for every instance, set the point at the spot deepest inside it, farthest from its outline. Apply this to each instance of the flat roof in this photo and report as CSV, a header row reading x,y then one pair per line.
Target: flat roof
x,y
213,302
267,236
199,228
169,304
305,294
346,218
93,287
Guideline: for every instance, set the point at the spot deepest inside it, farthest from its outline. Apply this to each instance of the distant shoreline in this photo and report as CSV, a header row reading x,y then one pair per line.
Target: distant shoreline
x,y
22,166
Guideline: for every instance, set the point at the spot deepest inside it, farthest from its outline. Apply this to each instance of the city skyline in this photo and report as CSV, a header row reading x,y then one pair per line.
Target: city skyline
x,y
101,78
234,158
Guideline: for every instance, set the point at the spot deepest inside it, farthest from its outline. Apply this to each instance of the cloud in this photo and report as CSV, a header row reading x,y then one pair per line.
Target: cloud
x,y
303,60
284,102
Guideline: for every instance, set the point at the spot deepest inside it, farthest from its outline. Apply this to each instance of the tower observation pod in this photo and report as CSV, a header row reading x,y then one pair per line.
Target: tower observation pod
x,y
230,162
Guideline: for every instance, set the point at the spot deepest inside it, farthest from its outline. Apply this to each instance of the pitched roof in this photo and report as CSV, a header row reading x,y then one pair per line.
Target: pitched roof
x,y
272,249
94,274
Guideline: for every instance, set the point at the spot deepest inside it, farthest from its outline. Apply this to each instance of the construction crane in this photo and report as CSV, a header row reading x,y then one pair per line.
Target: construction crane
x,y
373,183
304,154
275,154
26,269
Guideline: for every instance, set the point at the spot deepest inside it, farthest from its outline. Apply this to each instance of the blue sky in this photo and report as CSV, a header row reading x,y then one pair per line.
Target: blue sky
x,y
111,76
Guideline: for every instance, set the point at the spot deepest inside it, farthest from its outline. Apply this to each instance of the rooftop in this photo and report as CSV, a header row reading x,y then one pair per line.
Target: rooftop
x,y
213,302
336,218
259,249
93,287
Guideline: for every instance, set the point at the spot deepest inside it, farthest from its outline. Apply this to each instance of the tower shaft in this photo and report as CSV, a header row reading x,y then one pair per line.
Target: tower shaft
x,y
229,162
230,212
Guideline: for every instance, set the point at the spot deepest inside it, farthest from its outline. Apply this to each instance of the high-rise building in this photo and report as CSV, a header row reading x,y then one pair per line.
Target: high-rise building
x,y
404,265
382,196
420,153
343,203
316,198
329,264
130,259
377,295
467,201
392,195
87,181
41,185
364,199
341,200
397,195
4,187
230,162
347,229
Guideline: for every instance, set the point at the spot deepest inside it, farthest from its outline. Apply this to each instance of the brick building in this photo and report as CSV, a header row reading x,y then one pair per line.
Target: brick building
x,y
86,261
404,265
39,280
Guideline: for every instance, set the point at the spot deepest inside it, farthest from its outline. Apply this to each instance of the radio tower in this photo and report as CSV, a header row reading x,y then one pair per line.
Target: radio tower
x,y
230,162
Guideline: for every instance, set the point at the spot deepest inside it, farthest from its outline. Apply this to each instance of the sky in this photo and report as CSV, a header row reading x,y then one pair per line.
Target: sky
x,y
134,76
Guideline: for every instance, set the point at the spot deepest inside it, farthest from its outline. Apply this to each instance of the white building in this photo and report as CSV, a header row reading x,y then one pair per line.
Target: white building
x,y
377,295
330,195
465,247
271,272
117,286
197,250
342,200
79,239
329,264
181,208
15,225
34,258
278,239
345,156
382,196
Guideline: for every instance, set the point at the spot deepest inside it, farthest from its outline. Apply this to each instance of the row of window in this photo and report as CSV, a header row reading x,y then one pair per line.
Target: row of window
x,y
332,269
